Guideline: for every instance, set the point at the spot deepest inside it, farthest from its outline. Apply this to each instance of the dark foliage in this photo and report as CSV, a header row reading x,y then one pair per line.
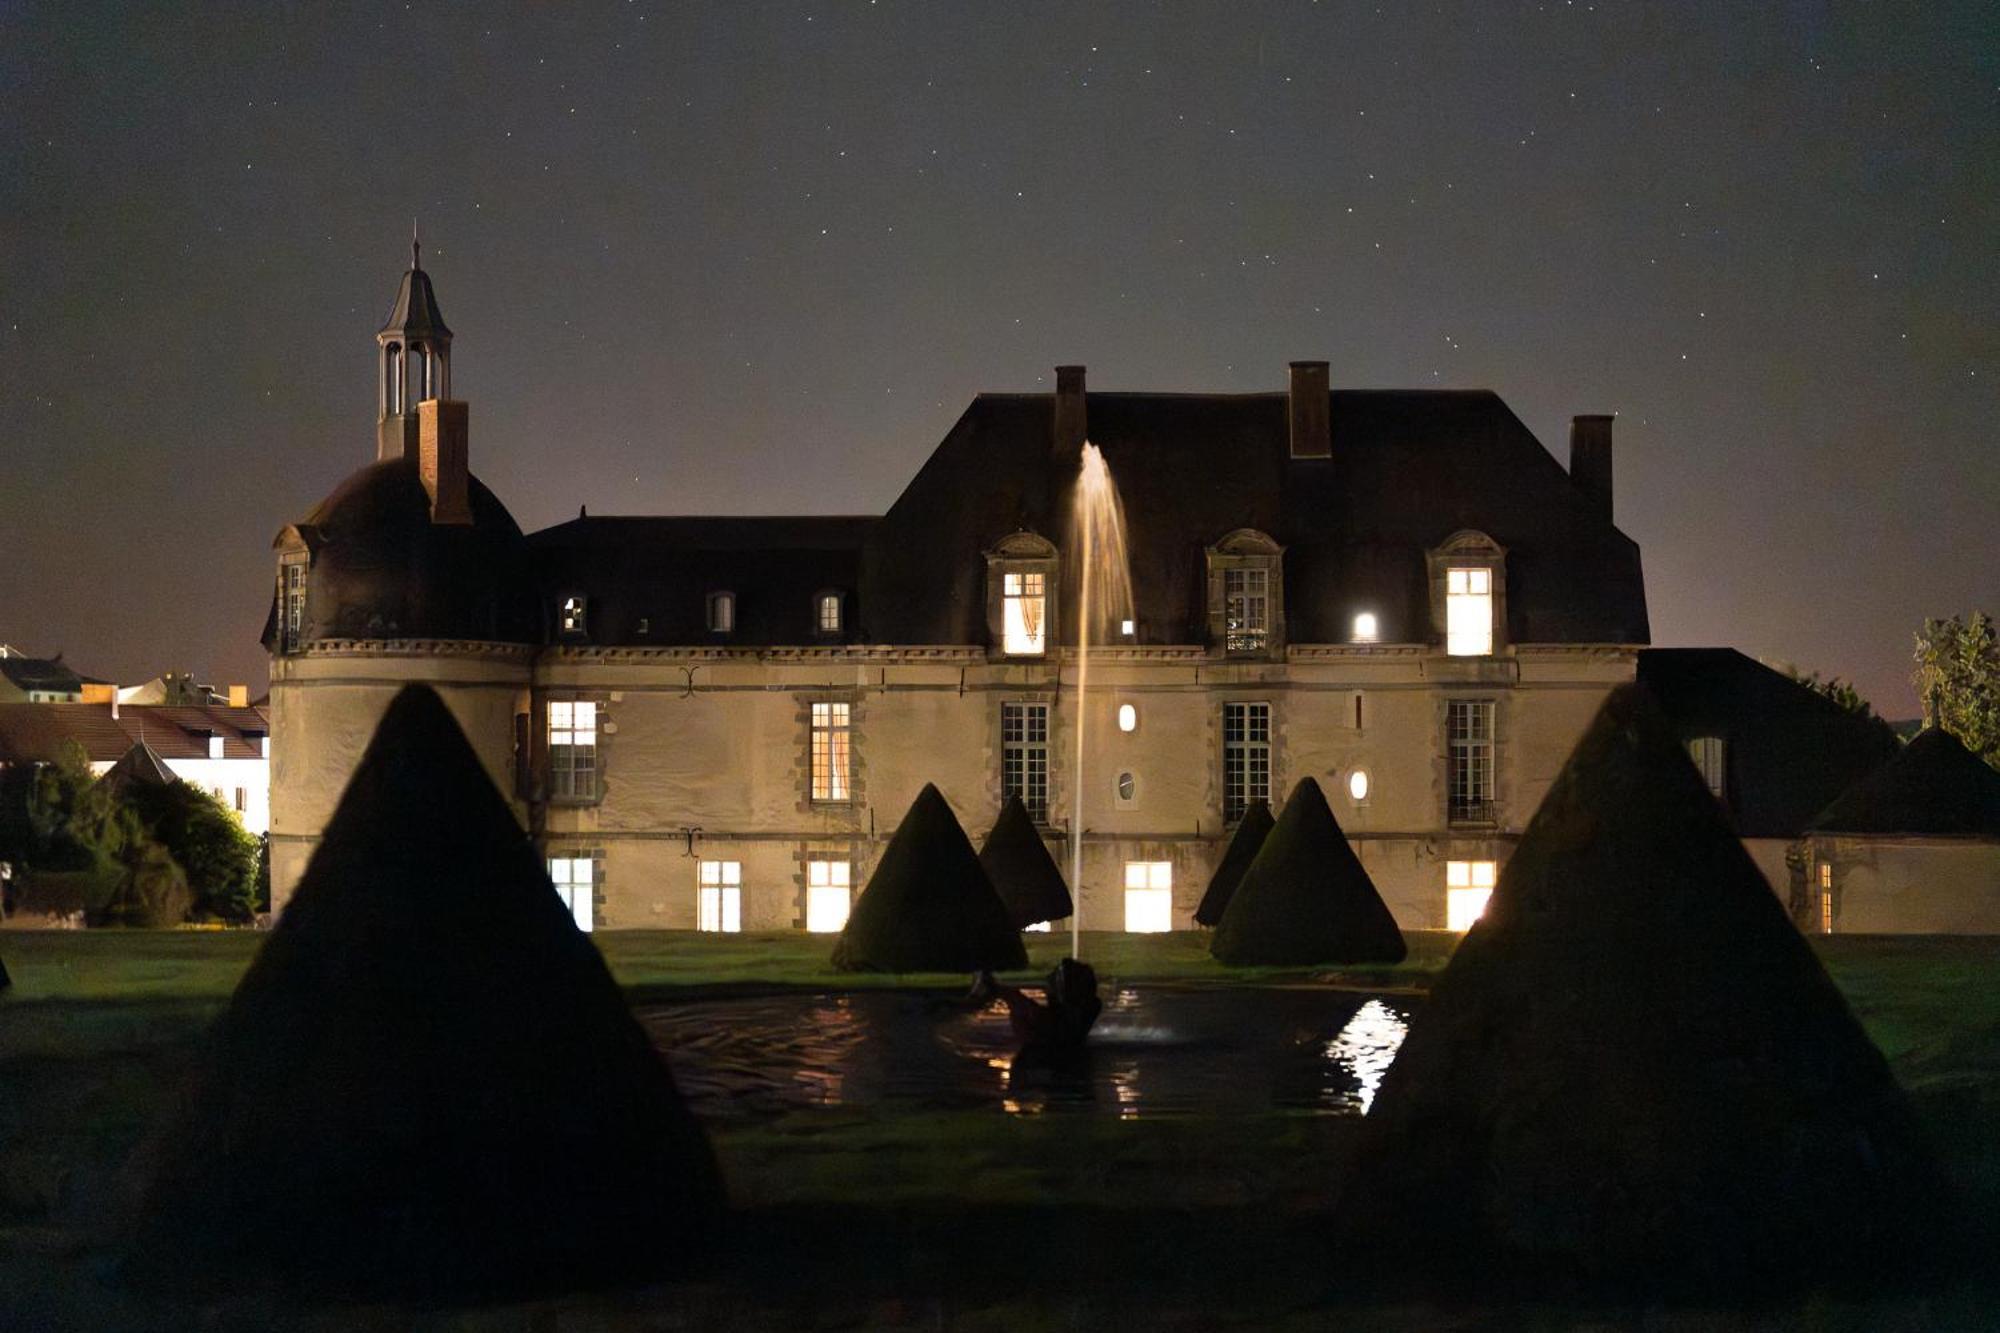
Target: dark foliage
x,y
209,843
1305,898
427,1084
1935,786
929,907
1023,873
1634,1074
1251,831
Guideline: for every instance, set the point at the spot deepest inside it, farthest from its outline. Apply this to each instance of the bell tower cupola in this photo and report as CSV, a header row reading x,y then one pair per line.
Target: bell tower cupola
x,y
413,361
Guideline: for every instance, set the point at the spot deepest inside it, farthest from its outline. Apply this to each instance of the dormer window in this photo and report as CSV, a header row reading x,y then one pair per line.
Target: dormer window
x,y
1020,594
826,613
570,615
1246,594
292,600
721,612
1468,575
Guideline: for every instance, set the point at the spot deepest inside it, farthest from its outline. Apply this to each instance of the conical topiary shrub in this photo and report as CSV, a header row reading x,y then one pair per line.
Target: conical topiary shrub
x,y
1251,830
1634,1071
1305,898
928,907
1022,872
427,1083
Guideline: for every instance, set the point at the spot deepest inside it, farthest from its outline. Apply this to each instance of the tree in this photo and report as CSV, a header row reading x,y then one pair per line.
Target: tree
x,y
207,842
1840,691
1958,678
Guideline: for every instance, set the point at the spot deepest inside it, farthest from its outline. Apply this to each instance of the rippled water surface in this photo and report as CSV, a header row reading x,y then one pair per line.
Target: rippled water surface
x,y
1155,1051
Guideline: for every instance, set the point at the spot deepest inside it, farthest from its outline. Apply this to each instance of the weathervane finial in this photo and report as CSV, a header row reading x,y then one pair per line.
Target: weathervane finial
x,y
415,246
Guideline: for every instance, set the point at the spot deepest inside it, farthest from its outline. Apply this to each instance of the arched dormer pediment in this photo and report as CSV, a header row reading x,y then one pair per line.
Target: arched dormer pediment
x,y
1021,576
1468,583
1022,545
1470,542
1248,541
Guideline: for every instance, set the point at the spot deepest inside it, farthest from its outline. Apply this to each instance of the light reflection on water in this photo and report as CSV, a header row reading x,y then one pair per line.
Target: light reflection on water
x,y
1155,1051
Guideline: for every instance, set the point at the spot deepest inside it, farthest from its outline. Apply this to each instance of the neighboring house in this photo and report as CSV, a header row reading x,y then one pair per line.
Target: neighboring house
x,y
39,680
1773,751
222,749
704,720
1914,847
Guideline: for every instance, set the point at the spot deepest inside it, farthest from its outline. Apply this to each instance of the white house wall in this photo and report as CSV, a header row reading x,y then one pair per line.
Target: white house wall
x,y
1888,885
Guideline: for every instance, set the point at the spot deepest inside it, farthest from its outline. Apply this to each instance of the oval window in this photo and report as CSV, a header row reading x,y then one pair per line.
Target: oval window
x,y
1128,717
1357,784
1127,785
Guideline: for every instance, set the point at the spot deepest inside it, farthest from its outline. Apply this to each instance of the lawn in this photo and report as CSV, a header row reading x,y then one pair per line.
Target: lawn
x,y
851,1219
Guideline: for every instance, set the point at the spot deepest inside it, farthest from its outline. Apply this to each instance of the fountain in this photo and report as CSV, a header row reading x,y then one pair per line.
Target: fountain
x,y
1103,586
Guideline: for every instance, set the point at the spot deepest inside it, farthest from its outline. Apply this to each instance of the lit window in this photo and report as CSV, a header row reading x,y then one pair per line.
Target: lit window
x,y
1707,753
1128,717
827,896
1024,757
829,613
1469,737
1468,884
295,603
1468,612
1128,628
1149,896
1024,621
721,896
1246,609
1357,785
1039,928
1366,629
721,612
832,747
573,877
1246,757
1826,897
572,749
215,744
570,615
242,800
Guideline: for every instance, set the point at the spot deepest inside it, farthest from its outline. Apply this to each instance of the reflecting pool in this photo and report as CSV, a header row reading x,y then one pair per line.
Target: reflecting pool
x,y
1155,1051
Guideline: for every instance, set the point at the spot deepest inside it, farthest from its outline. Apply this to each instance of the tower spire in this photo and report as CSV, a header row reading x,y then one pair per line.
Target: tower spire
x,y
416,247
414,356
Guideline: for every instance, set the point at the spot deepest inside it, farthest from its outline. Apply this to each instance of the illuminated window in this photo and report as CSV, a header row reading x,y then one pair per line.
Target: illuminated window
x,y
1246,609
570,615
1469,738
574,878
1024,757
721,612
827,896
1826,898
572,749
1467,886
1128,717
1246,757
1149,896
721,896
215,751
1128,627
832,748
1357,785
1024,624
295,603
829,613
1707,753
1366,630
1468,612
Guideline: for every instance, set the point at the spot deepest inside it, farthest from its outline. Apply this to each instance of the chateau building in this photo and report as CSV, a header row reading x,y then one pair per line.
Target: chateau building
x,y
718,722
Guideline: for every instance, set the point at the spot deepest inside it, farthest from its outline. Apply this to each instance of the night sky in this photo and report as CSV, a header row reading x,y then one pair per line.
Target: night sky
x,y
756,257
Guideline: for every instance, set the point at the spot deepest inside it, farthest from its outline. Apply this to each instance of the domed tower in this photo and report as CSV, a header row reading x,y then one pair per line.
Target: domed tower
x,y
409,570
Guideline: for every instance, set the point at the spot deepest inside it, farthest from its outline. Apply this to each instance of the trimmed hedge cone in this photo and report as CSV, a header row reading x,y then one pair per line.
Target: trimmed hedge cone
x,y
1634,1074
929,906
427,1084
1023,873
1305,899
1251,830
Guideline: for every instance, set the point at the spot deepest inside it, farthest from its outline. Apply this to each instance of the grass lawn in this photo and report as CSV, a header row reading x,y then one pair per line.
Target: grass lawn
x,y
852,1219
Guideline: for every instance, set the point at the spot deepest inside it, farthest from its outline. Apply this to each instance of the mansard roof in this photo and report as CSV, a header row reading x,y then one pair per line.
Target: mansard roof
x,y
49,675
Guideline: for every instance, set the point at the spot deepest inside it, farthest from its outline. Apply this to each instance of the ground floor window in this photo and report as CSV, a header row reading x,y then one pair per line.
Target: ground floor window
x,y
1149,896
1826,898
828,896
574,878
721,896
1467,886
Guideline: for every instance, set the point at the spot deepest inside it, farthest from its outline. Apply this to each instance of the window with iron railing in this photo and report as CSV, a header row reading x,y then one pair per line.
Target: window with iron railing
x,y
1469,742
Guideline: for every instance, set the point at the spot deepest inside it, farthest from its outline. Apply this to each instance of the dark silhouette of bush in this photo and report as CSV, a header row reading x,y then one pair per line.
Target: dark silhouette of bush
x,y
1251,830
1305,899
1023,873
928,907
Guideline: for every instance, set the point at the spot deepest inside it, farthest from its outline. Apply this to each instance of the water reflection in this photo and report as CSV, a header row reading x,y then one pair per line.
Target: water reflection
x,y
1366,1048
1155,1051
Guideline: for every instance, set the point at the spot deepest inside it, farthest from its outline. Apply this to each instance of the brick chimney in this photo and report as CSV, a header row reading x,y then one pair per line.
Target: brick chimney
x,y
1072,426
441,458
1590,461
1312,432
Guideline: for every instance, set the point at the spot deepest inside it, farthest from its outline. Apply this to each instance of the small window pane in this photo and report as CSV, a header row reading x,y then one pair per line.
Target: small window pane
x,y
1149,896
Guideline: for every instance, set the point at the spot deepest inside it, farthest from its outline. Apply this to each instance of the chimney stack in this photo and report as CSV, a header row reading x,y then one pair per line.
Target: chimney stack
x,y
1590,461
1312,431
1072,425
441,458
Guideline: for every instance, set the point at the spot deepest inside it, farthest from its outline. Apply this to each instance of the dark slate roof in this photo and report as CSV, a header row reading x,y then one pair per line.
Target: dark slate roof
x,y
140,766
415,313
1408,470
661,570
1935,786
34,733
381,569
45,674
1787,750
